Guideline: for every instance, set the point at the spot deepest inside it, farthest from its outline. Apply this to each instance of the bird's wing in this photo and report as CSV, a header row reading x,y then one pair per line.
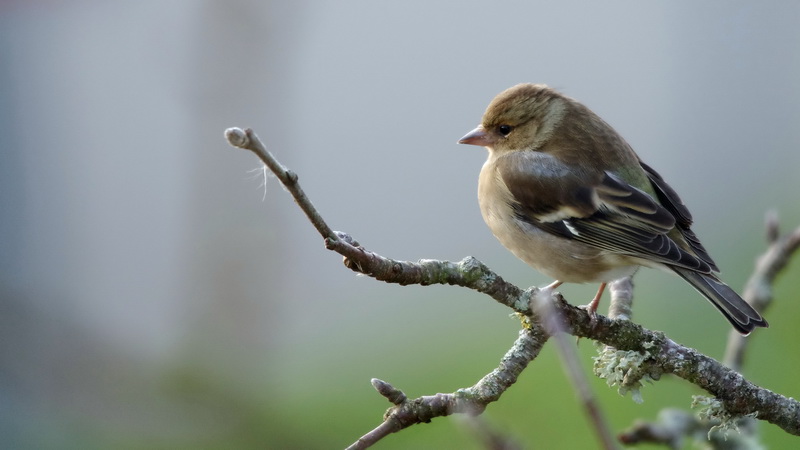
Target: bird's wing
x,y
598,209
683,218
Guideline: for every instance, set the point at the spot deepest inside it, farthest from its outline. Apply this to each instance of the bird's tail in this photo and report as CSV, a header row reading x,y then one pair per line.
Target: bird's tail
x,y
738,312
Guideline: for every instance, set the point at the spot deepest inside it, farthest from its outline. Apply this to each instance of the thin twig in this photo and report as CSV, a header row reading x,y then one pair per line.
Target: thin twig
x,y
758,290
247,139
555,326
621,306
472,400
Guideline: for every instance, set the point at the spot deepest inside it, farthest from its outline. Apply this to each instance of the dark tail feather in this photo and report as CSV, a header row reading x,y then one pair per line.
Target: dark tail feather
x,y
738,312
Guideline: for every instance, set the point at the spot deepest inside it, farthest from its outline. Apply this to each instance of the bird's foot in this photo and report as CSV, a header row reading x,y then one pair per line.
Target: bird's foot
x,y
592,312
591,308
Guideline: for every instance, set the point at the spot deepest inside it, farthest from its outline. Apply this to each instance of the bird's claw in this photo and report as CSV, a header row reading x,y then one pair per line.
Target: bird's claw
x,y
591,312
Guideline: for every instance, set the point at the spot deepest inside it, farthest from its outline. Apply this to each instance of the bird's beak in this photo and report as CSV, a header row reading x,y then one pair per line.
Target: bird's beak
x,y
478,136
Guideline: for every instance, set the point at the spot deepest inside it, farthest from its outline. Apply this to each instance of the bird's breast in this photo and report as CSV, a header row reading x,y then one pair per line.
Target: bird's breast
x,y
557,257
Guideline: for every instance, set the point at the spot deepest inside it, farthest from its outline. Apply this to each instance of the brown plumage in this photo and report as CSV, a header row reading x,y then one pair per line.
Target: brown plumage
x,y
567,195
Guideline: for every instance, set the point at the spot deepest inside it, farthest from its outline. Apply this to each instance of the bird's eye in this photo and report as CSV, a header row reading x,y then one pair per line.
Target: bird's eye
x,y
505,129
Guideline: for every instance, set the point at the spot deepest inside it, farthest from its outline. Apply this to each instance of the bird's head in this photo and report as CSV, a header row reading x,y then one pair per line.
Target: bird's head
x,y
519,118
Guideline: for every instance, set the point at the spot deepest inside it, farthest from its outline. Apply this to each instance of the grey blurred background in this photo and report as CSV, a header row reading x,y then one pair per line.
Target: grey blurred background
x,y
154,294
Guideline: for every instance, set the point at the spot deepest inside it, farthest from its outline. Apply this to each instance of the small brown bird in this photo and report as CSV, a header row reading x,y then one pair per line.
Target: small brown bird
x,y
567,195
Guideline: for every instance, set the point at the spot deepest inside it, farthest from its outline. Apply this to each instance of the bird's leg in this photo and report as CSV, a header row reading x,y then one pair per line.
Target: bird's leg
x,y
591,308
552,285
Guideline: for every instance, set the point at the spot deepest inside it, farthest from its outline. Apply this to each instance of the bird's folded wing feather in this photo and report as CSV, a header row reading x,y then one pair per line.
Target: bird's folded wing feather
x,y
598,209
670,200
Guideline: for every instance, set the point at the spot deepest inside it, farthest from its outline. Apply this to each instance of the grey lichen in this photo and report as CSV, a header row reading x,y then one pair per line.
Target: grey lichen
x,y
712,411
625,369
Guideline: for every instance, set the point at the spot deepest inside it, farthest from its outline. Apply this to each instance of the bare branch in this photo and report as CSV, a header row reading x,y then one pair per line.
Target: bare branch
x,y
472,400
247,139
758,290
621,306
670,428
737,395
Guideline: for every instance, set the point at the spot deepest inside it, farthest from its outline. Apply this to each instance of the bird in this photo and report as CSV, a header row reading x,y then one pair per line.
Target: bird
x,y
566,194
